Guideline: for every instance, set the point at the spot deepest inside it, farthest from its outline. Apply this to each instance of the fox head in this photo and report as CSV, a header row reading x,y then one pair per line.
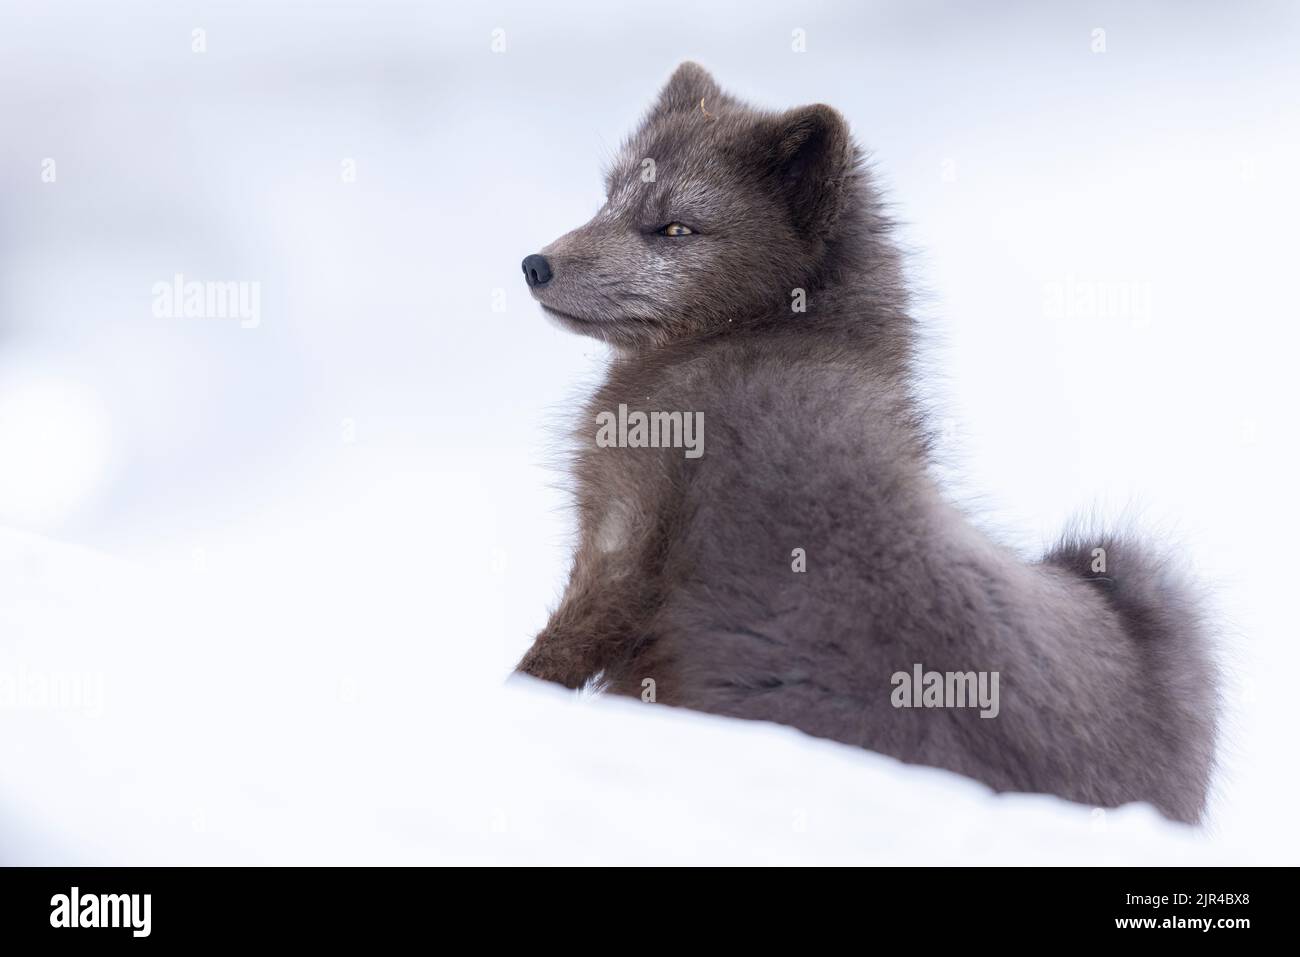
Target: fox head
x,y
715,214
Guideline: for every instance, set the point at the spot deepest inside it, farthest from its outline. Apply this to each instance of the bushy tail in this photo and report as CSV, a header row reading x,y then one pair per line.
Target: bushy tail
x,y
1165,616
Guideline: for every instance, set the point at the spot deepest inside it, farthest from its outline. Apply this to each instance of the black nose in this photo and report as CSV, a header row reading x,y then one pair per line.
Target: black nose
x,y
537,271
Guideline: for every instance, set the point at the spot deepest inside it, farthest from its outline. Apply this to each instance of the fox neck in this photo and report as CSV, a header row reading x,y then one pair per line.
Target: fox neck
x,y
857,289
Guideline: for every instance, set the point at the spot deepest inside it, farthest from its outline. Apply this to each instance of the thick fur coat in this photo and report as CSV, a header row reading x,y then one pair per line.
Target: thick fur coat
x,y
686,585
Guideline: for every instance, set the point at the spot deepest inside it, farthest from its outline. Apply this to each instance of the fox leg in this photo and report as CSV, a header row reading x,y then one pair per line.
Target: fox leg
x,y
593,626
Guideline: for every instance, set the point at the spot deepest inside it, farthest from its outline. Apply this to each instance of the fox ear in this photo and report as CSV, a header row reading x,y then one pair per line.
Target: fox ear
x,y
812,154
689,84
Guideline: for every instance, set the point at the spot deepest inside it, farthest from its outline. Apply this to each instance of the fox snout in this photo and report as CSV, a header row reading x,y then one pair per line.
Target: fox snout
x,y
537,270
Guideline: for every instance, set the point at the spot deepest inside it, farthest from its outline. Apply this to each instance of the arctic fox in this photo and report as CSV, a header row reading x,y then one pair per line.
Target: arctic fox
x,y
804,563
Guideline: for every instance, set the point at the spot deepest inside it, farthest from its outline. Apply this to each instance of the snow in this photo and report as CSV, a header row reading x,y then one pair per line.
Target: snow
x,y
155,718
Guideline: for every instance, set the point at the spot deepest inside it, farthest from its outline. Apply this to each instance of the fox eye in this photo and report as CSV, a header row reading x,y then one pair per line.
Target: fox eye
x,y
676,229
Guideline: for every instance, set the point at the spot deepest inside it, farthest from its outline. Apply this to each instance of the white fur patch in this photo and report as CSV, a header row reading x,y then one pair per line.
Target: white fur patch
x,y
614,529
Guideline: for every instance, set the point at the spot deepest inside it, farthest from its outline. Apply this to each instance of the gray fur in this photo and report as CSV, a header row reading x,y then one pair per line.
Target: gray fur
x,y
683,574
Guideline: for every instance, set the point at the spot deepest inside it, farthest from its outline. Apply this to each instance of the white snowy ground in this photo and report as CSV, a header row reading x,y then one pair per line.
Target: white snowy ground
x,y
320,738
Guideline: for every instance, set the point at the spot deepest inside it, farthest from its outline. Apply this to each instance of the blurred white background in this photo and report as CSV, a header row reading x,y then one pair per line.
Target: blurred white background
x,y
320,543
